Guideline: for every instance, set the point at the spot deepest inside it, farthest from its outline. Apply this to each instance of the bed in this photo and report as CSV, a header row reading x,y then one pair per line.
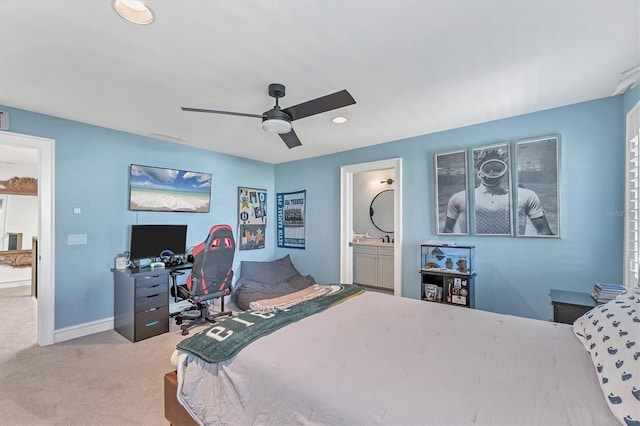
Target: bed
x,y
377,359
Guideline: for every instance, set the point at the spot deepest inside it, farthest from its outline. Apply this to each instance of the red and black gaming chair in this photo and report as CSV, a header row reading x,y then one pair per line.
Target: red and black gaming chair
x,y
210,277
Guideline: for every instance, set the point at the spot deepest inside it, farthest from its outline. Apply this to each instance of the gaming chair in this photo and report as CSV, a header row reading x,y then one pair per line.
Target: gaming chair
x,y
210,277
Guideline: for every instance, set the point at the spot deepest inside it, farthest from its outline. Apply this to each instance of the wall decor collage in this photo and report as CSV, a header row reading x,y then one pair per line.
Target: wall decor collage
x,y
252,218
526,204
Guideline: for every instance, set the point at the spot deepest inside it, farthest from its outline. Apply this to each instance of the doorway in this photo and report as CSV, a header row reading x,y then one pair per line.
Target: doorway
x,y
346,217
44,263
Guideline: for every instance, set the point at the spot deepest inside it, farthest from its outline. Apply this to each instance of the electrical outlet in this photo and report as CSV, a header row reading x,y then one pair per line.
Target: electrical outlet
x,y
76,239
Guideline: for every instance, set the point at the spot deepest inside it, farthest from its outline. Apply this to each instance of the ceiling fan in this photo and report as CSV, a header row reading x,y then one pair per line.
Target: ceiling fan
x,y
278,120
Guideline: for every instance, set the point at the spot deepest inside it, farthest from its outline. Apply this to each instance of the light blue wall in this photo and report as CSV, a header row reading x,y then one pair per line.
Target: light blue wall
x,y
631,97
92,172
514,274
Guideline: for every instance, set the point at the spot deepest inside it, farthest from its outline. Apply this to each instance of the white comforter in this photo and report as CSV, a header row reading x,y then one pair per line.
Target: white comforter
x,y
378,359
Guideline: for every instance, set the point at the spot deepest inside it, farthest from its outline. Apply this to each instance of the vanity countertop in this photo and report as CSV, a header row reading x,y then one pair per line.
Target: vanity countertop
x,y
372,242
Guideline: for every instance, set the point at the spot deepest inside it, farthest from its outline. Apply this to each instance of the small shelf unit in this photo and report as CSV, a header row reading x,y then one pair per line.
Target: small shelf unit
x,y
447,274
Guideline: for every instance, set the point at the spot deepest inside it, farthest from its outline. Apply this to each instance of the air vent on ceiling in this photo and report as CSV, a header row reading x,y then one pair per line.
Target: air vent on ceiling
x,y
166,137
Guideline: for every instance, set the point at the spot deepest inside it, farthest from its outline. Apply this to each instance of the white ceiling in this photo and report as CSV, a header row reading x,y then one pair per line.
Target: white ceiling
x,y
413,66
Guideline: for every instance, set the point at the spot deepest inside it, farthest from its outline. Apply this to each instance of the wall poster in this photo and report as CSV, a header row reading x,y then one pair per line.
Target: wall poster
x,y
451,193
538,209
290,220
492,194
252,218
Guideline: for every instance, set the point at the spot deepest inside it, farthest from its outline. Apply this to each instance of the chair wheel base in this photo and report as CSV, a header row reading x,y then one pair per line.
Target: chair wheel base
x,y
185,332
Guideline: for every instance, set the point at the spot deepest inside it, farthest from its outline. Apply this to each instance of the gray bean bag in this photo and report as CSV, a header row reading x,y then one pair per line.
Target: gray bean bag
x,y
266,280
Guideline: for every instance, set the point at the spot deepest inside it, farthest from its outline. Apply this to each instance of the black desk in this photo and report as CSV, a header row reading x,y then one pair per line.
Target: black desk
x,y
141,301
146,269
568,306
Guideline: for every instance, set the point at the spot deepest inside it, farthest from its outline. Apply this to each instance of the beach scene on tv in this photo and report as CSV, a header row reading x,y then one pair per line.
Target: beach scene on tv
x,y
168,190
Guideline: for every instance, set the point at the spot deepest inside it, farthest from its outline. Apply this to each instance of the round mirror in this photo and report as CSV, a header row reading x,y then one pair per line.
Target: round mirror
x,y
381,211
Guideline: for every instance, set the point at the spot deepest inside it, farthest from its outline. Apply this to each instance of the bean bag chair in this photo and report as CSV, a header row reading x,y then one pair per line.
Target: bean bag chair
x,y
266,280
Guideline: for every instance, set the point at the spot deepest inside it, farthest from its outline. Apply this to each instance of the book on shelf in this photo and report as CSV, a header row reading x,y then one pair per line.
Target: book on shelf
x,y
619,288
603,292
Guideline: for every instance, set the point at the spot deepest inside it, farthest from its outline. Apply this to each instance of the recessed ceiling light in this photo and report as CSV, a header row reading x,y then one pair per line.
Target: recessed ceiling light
x,y
133,11
339,120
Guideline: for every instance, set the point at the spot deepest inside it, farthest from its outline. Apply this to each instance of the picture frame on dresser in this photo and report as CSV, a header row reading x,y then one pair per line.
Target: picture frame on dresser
x,y
451,195
537,181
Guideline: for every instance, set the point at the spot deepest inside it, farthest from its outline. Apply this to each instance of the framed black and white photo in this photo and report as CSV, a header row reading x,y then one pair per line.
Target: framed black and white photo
x,y
452,197
538,198
492,193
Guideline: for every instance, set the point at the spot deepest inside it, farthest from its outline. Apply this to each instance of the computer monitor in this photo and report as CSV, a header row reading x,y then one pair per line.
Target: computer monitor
x,y
150,241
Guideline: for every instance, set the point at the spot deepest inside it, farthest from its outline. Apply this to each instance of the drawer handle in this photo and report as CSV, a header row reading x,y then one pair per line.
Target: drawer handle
x,y
152,323
153,295
151,310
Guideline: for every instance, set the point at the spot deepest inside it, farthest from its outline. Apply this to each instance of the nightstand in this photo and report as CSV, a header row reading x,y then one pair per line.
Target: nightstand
x,y
568,306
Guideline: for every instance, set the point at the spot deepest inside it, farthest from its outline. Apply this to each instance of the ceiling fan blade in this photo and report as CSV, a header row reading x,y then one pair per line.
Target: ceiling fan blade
x,y
213,111
319,105
291,139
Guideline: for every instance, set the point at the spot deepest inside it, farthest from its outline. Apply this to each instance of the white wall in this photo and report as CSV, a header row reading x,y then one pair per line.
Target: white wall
x,y
366,186
21,217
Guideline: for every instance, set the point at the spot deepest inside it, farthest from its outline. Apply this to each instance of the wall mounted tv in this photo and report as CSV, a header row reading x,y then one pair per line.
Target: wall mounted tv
x,y
148,241
168,190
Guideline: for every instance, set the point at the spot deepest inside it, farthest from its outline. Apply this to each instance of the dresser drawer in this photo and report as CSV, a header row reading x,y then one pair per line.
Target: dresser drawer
x,y
149,316
151,329
153,301
152,280
151,290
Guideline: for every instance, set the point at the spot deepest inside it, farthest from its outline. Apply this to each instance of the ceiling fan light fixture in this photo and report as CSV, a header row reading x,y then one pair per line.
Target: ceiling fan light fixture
x,y
133,11
276,125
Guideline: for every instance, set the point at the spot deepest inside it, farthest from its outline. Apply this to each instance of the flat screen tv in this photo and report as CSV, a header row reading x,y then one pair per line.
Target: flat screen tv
x,y
149,241
168,190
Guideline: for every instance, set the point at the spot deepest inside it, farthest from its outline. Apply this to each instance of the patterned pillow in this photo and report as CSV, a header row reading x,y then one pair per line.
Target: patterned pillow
x,y
611,335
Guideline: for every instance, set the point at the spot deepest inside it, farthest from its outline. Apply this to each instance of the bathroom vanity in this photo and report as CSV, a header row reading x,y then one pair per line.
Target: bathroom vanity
x,y
373,264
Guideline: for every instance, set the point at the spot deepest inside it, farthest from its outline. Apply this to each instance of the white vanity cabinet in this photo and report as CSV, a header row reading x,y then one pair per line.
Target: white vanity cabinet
x,y
373,265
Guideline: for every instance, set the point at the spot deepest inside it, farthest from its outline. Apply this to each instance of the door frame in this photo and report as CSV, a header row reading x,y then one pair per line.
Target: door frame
x,y
46,248
346,218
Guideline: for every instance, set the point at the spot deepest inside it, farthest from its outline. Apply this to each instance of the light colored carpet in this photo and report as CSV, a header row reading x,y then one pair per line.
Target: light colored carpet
x,y
102,379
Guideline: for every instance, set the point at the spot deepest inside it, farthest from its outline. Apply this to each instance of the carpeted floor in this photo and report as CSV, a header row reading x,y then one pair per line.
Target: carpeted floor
x,y
102,379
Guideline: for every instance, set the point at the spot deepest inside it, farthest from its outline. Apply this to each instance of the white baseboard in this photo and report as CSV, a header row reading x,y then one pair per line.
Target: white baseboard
x,y
10,284
81,330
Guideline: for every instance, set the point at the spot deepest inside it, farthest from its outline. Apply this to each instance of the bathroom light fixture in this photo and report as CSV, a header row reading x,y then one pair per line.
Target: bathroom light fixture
x,y
388,181
339,120
133,11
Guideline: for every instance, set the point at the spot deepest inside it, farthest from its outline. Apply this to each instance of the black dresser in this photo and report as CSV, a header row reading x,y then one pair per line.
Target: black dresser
x,y
141,302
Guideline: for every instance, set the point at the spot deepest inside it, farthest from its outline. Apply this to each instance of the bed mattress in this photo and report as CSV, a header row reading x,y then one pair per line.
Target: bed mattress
x,y
378,359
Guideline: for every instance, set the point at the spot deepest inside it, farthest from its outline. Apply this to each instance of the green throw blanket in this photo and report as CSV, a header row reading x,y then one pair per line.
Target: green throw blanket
x,y
226,338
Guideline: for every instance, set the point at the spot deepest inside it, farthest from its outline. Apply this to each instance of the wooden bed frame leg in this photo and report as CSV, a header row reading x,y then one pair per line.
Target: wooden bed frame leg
x,y
173,411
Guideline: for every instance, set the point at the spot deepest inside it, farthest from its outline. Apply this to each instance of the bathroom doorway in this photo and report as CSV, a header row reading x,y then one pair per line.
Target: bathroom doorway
x,y
348,176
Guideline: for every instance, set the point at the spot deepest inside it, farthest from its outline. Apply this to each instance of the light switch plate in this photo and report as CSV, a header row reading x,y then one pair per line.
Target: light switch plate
x,y
76,239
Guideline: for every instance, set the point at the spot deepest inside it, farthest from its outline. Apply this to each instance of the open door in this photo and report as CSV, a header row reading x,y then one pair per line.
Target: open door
x,y
346,217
